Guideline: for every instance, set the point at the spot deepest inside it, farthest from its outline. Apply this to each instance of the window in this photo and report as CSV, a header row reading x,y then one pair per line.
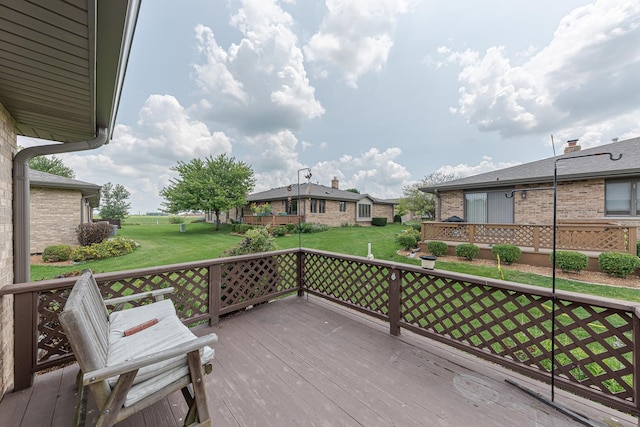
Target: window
x,y
364,210
292,207
490,207
317,206
622,197
343,206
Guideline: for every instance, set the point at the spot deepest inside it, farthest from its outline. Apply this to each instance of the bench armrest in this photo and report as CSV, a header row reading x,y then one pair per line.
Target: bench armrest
x,y
140,362
155,293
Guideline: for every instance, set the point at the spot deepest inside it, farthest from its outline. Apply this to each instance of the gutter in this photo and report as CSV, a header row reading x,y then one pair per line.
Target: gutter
x,y
21,200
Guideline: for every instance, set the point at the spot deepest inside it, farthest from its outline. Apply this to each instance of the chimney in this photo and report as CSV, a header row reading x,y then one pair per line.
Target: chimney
x,y
334,182
572,146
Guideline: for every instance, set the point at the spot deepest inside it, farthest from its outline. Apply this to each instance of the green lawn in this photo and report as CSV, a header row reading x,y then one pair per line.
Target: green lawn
x,y
162,243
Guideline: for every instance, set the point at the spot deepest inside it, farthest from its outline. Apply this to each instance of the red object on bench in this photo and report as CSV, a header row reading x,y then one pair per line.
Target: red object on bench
x,y
140,327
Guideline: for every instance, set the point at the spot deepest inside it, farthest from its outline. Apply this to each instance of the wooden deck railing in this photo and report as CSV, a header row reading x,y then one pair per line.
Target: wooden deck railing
x,y
579,237
506,323
272,219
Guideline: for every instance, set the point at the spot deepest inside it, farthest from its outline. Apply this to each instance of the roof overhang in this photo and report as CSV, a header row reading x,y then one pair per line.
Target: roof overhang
x,y
62,64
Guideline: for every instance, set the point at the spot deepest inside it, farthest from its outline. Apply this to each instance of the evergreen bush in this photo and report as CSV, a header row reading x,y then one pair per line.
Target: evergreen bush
x,y
508,253
467,251
618,264
56,253
397,219
437,248
408,238
570,260
379,221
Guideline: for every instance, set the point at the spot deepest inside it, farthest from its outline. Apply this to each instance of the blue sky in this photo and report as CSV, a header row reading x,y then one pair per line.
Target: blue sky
x,y
379,93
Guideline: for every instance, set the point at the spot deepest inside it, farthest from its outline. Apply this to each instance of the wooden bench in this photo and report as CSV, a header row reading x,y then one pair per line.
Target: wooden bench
x,y
132,358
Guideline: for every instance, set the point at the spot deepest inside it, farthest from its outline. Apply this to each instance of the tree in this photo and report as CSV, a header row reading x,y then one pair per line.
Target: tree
x,y
211,184
114,201
418,201
52,165
353,190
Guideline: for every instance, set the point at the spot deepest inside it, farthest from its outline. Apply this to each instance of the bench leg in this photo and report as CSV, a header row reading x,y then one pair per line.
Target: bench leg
x,y
81,403
198,407
109,413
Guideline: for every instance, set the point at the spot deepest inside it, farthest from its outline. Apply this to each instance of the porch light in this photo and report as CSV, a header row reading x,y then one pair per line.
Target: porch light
x,y
524,194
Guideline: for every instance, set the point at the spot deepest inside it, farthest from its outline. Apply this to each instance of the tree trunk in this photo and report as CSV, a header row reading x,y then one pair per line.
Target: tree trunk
x,y
217,220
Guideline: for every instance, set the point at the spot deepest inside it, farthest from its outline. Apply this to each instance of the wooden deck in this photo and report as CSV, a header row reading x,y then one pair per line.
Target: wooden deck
x,y
303,361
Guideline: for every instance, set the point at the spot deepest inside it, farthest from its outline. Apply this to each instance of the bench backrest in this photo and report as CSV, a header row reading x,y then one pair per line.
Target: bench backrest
x,y
85,320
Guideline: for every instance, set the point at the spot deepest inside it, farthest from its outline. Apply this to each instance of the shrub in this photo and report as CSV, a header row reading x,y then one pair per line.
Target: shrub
x,y
241,228
437,248
258,239
508,253
638,248
379,221
467,251
91,233
408,238
618,264
291,227
417,227
175,219
55,253
397,219
570,260
311,227
107,249
279,231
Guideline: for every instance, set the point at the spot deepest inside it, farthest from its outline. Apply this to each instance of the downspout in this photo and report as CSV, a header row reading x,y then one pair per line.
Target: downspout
x,y
438,207
21,218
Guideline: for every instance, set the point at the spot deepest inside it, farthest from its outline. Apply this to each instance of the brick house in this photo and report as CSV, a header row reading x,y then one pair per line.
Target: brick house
x,y
58,205
320,204
70,97
590,188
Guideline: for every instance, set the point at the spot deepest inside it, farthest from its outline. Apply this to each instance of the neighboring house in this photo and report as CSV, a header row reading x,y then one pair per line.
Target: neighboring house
x,y
589,189
58,206
62,65
320,204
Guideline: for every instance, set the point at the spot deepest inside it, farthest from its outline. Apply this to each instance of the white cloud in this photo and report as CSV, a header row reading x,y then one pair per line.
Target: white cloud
x,y
462,170
140,157
587,75
355,36
374,172
258,84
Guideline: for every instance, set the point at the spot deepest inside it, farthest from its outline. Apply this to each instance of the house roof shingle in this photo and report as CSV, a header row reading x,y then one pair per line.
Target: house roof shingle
x,y
46,180
316,191
541,171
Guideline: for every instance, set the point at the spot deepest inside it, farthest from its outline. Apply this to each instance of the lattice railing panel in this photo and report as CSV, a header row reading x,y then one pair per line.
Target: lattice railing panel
x,y
52,342
520,235
448,232
190,296
354,282
594,239
594,345
247,281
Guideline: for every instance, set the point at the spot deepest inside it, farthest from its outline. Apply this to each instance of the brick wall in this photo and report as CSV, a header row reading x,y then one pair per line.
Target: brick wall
x,y
8,147
332,215
451,203
383,211
55,214
577,201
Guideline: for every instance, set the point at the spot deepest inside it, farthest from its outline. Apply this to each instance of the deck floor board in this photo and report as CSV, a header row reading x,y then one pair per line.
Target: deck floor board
x,y
304,361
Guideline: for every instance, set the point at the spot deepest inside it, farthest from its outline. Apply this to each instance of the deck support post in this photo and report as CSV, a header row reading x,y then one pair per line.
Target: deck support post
x,y
394,302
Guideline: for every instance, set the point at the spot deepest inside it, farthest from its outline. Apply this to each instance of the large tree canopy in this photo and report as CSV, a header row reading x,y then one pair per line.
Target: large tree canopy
x,y
52,165
215,185
418,201
114,201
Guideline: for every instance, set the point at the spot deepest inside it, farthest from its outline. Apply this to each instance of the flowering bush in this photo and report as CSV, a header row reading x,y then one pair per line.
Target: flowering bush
x,y
408,238
107,249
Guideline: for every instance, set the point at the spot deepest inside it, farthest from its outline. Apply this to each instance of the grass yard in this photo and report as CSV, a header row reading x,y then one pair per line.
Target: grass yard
x,y
162,243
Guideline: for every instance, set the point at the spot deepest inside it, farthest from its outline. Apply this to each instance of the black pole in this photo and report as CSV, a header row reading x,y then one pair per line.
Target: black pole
x,y
553,280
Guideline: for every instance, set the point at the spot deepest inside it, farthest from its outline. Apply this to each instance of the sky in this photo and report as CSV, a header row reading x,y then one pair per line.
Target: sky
x,y
378,93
